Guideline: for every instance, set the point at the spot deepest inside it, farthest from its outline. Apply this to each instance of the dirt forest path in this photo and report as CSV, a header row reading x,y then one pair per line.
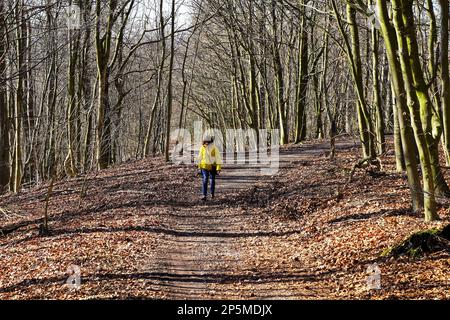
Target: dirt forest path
x,y
208,255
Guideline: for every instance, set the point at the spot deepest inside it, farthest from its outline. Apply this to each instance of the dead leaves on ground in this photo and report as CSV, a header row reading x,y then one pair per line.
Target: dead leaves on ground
x,y
289,236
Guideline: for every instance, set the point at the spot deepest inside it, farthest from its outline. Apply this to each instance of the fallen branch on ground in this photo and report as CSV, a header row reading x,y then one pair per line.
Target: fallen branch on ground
x,y
13,227
358,165
4,212
8,214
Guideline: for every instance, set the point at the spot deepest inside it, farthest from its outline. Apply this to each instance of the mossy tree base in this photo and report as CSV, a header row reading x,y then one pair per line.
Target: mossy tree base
x,y
420,243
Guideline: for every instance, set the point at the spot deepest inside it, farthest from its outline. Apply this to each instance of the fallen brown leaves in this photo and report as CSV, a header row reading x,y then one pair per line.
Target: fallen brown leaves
x,y
140,231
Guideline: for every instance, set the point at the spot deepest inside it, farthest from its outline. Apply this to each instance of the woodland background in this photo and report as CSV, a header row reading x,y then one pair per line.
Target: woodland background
x,y
77,100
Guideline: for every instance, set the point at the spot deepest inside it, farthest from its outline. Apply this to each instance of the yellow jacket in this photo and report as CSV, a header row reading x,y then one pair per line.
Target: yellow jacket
x,y
209,156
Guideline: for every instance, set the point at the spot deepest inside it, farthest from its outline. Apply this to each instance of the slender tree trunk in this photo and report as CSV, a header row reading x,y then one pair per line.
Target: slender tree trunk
x,y
279,80
381,146
71,115
4,127
302,82
354,56
18,106
157,98
399,156
50,103
444,73
103,43
29,105
85,91
169,83
364,120
103,147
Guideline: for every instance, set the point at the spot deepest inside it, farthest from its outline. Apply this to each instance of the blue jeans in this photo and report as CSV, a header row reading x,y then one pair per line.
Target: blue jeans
x,y
205,177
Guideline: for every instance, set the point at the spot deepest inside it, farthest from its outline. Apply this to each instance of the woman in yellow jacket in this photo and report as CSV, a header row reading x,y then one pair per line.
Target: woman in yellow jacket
x,y
209,165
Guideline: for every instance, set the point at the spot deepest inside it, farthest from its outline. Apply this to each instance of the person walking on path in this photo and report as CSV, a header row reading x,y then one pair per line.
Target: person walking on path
x,y
209,165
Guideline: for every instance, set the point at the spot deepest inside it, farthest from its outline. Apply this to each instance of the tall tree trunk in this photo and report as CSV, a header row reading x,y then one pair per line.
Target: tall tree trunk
x,y
103,138
444,73
399,156
354,56
279,79
4,127
29,98
18,106
104,52
364,120
71,115
86,94
417,96
408,144
379,115
169,83
428,114
302,82
50,103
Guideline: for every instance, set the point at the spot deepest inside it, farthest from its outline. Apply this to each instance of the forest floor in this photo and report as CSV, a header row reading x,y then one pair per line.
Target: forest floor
x,y
141,231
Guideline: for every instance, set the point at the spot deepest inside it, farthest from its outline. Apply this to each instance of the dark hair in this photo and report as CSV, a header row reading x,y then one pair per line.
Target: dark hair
x,y
208,139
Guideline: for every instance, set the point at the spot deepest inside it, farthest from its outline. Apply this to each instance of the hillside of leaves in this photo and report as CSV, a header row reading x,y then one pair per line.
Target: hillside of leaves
x,y
302,234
